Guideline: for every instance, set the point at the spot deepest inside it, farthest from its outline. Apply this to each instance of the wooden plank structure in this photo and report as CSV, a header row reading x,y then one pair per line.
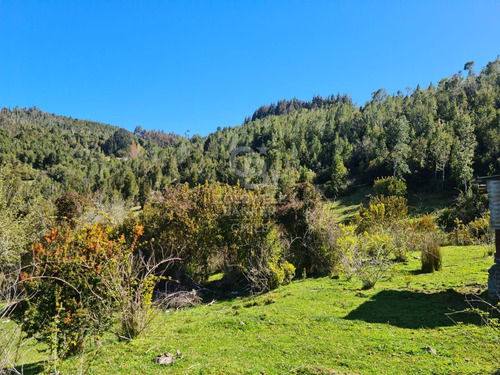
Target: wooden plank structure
x,y
491,185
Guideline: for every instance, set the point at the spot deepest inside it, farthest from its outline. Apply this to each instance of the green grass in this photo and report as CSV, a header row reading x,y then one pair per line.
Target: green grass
x,y
344,208
429,203
321,326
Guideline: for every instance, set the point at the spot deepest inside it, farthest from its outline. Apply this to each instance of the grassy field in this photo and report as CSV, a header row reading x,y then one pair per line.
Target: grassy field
x,y
345,207
319,326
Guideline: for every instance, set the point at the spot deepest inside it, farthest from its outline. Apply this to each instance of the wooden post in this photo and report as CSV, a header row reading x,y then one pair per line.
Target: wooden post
x,y
497,246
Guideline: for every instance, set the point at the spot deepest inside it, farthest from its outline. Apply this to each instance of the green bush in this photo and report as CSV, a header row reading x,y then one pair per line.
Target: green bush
x,y
466,209
425,224
23,217
276,276
431,254
69,206
389,186
313,231
381,210
479,230
402,241
280,274
368,256
289,270
214,228
476,232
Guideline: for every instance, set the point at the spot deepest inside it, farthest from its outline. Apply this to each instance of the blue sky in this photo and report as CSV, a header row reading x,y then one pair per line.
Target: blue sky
x,y
197,65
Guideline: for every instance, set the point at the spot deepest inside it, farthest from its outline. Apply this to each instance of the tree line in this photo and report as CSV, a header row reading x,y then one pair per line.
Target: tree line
x,y
440,136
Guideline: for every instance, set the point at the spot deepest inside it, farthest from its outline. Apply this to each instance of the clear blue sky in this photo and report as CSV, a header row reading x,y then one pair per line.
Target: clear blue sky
x,y
195,66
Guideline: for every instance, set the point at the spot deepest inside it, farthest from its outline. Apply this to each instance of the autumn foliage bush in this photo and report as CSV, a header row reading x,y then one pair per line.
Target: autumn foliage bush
x,y
71,287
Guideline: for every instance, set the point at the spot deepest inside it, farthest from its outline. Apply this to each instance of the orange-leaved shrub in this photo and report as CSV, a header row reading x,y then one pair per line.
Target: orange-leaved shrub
x,y
68,283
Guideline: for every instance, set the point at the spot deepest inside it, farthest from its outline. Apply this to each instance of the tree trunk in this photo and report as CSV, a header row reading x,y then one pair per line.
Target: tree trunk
x,y
442,182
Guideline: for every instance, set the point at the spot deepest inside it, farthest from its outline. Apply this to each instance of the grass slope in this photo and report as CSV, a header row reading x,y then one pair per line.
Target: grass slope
x,y
345,207
321,326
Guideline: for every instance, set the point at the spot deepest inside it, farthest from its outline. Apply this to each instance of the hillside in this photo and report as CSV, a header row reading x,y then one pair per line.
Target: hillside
x,y
434,137
101,226
318,326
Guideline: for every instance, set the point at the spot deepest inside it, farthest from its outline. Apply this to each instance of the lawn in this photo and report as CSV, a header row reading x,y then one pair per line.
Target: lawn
x,y
320,326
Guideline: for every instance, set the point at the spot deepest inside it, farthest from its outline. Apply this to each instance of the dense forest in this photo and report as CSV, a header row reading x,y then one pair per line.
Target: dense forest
x,y
437,137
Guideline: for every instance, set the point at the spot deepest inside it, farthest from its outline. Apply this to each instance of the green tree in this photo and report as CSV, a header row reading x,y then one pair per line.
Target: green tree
x,y
441,142
398,138
144,191
119,143
130,188
463,152
339,174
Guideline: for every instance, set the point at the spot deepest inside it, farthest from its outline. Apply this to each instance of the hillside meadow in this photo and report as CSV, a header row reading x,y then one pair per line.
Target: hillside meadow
x,y
316,326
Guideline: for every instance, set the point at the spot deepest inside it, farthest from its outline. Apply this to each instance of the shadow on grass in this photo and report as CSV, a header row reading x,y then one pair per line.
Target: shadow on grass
x,y
427,202
407,309
26,369
416,272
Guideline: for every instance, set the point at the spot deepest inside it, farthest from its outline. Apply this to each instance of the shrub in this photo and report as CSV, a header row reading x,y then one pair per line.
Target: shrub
x,y
465,209
425,224
71,286
348,248
69,206
403,237
289,270
23,218
215,228
389,186
368,256
406,235
136,303
381,211
280,274
312,229
431,254
276,276
479,230
379,251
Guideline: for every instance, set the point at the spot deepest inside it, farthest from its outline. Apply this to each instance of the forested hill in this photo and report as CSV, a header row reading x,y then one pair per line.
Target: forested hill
x,y
439,137
283,107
